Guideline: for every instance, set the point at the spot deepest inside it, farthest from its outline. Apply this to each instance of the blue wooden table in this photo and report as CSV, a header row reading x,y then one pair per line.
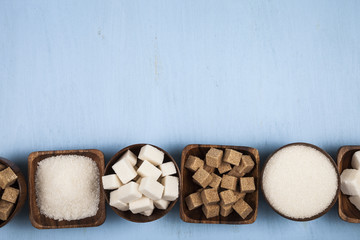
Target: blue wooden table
x,y
107,74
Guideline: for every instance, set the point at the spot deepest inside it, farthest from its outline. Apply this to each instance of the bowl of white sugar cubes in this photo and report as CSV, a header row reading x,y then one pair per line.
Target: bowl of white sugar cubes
x,y
348,160
141,183
300,181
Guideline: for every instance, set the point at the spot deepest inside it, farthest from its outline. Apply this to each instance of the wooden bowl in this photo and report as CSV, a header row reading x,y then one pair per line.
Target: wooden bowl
x,y
19,184
188,187
39,220
139,218
347,211
331,161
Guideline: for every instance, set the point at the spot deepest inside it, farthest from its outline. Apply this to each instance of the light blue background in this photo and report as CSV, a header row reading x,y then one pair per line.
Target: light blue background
x,y
107,74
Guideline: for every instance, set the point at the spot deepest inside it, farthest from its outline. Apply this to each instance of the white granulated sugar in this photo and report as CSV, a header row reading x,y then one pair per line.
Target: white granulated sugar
x,y
299,181
67,187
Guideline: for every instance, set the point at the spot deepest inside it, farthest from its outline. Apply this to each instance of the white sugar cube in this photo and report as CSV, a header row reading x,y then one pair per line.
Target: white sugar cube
x,y
151,154
350,182
151,188
161,204
148,212
127,193
141,205
171,188
167,169
111,182
355,161
124,170
117,203
355,200
130,157
148,170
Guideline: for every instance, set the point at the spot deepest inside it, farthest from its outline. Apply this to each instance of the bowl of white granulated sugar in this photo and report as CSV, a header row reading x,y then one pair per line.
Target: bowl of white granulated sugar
x,y
65,189
300,181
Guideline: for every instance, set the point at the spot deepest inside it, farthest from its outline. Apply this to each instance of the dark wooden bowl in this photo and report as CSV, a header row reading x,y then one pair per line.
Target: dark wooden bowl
x,y
338,180
188,187
19,184
39,220
139,218
347,211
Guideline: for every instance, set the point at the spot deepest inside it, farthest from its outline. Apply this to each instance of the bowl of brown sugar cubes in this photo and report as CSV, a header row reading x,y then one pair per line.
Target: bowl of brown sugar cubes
x,y
12,190
219,184
141,183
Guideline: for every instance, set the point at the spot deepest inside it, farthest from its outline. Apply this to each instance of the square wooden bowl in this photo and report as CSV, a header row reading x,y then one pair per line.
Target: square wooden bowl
x,y
39,220
347,211
187,186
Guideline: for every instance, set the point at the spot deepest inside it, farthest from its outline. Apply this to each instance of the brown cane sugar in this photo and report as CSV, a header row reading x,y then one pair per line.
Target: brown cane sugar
x,y
214,157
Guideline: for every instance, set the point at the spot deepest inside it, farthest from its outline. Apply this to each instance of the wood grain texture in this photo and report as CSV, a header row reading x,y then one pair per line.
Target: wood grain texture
x,y
19,184
139,218
188,186
338,182
39,220
347,211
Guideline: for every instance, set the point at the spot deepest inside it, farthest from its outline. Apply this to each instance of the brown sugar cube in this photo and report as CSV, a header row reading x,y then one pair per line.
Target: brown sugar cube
x,y
209,196
213,157
224,167
215,182
246,164
211,210
5,209
7,177
247,184
227,197
194,163
226,210
10,194
2,166
193,201
233,157
228,182
239,195
202,177
235,172
242,208
209,169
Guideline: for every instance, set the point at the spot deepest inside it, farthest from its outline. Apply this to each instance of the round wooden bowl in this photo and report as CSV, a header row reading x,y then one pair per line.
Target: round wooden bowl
x,y
19,184
337,190
139,218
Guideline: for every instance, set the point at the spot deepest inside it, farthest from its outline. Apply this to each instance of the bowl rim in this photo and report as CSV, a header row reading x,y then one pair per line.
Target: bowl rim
x,y
22,189
252,150
114,159
331,160
32,195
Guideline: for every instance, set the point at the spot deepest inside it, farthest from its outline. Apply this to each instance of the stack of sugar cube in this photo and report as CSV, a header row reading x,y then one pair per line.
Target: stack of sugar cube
x,y
350,180
8,191
223,181
141,185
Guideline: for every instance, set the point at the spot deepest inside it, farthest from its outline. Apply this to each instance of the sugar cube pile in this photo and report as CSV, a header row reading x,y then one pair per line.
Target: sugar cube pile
x,y
223,181
350,180
8,191
142,183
